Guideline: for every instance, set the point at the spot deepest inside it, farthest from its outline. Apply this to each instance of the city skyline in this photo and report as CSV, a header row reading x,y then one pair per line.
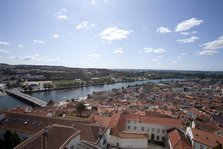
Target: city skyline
x,y
154,34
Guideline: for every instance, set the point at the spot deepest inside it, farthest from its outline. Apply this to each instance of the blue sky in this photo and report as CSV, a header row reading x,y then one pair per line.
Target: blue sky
x,y
138,34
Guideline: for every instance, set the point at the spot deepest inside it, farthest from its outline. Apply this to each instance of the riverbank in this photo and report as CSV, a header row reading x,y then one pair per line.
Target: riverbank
x,y
80,86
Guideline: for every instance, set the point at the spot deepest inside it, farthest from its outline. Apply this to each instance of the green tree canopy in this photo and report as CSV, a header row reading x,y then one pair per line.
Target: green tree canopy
x,y
80,107
11,139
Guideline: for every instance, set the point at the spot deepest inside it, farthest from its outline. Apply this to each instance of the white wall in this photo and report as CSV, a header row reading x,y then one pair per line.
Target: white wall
x,y
148,129
189,133
198,146
73,142
128,143
103,142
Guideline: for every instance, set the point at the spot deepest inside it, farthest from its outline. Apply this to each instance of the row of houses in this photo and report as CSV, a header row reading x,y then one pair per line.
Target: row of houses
x,y
121,130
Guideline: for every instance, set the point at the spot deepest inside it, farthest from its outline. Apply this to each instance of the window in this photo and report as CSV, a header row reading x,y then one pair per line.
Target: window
x,y
153,129
201,146
158,130
129,127
135,128
142,128
163,139
117,144
163,131
147,129
157,137
129,121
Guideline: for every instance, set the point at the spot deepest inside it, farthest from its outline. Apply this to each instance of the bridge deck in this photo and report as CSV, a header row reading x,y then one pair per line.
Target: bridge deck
x,y
29,98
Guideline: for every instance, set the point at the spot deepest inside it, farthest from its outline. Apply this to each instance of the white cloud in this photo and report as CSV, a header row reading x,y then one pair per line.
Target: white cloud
x,y
61,14
188,40
93,2
37,57
55,36
62,17
188,33
163,30
118,51
39,41
183,54
148,50
20,45
214,45
151,50
188,24
207,52
84,25
210,48
4,51
94,56
4,43
114,33
159,51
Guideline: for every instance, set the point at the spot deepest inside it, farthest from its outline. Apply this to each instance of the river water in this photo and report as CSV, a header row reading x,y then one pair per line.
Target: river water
x,y
60,95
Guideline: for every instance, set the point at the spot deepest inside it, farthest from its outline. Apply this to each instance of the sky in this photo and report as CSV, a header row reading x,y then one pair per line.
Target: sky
x,y
120,34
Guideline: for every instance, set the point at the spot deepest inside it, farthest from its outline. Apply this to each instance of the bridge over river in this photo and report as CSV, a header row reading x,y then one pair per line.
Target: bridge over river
x,y
26,98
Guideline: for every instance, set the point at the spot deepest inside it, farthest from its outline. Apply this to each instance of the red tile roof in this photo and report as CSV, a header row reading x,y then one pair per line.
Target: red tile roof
x,y
178,140
57,136
102,120
155,120
210,139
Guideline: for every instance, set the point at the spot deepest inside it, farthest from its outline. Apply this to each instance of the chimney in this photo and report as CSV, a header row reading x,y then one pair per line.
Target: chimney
x,y
44,139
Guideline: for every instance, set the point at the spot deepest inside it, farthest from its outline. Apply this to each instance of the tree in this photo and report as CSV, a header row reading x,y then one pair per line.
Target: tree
x,y
80,107
11,139
30,88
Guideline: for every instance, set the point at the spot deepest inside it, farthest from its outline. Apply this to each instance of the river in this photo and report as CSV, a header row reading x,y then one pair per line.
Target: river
x,y
60,95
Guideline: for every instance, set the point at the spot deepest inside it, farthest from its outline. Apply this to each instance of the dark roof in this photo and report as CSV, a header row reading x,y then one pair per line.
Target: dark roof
x,y
31,124
53,136
89,132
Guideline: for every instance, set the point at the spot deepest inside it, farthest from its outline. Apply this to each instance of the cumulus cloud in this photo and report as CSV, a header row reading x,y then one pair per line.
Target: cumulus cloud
x,y
151,50
4,43
39,41
118,51
188,40
163,30
188,24
94,56
84,25
210,48
55,36
114,33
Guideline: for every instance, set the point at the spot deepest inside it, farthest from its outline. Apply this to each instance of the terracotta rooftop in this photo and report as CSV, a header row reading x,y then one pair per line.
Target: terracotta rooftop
x,y
102,120
210,139
31,124
57,136
89,132
178,140
155,120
